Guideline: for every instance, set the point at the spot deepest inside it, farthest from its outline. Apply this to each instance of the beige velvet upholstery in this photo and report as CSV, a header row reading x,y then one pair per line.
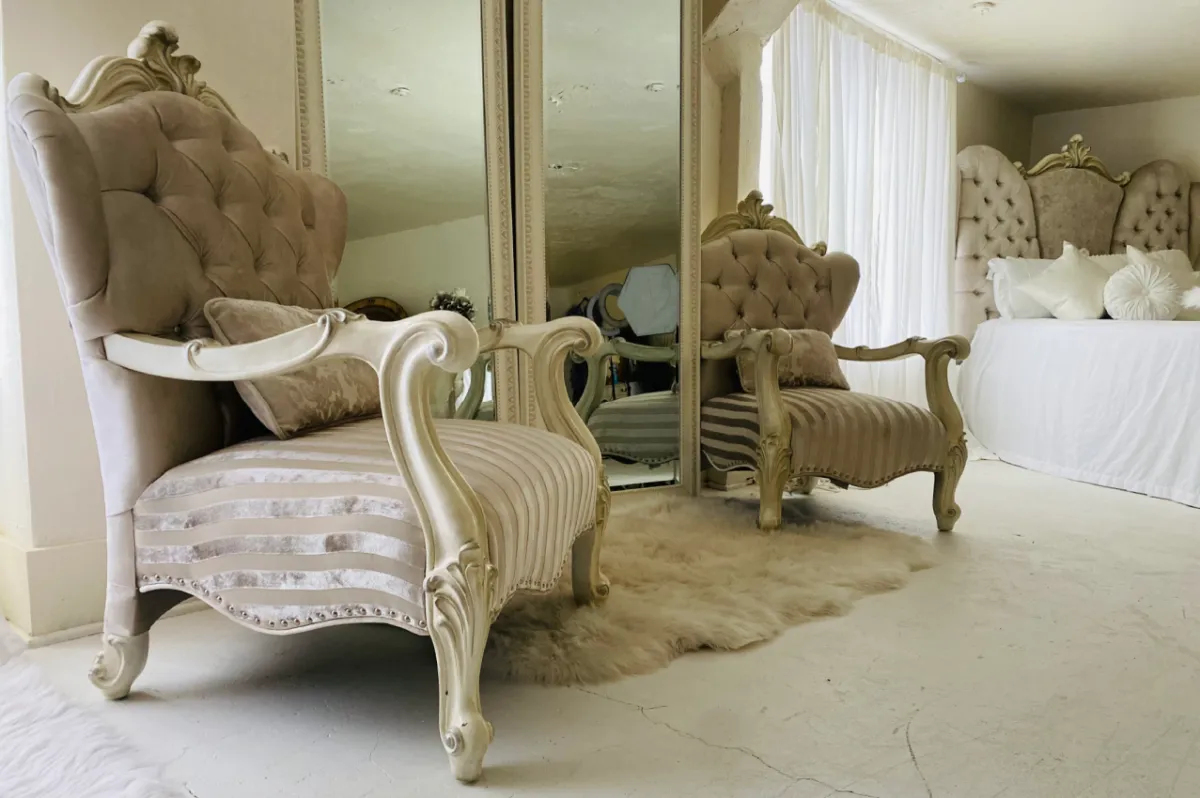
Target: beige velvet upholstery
x,y
325,393
149,208
764,279
286,534
1074,205
995,219
812,363
1155,212
855,438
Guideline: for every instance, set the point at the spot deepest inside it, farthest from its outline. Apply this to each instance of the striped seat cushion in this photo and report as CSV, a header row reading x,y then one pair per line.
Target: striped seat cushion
x,y
643,428
858,438
320,527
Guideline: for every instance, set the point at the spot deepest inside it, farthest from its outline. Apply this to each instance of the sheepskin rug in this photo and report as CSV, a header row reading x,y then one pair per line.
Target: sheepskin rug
x,y
689,574
50,749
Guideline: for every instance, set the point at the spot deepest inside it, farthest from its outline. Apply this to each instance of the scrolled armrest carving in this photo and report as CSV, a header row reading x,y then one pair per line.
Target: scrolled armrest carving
x,y
548,345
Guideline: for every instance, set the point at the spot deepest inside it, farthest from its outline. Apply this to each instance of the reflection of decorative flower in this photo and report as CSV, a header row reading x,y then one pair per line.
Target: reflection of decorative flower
x,y
456,301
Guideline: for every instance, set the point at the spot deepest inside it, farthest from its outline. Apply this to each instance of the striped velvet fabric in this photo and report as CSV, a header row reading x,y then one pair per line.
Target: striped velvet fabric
x,y
284,534
858,438
643,428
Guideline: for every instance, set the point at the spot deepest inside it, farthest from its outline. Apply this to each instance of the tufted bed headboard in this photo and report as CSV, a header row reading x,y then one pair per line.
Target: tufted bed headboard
x,y
1005,210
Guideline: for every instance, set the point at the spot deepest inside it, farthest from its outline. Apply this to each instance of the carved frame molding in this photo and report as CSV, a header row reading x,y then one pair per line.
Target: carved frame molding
x,y
1073,155
311,144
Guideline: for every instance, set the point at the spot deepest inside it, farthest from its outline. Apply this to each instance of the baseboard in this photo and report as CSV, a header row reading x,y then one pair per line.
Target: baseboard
x,y
87,630
49,590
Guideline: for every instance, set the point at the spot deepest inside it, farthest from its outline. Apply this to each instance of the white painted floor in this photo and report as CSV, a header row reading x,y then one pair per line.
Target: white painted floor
x,y
1055,653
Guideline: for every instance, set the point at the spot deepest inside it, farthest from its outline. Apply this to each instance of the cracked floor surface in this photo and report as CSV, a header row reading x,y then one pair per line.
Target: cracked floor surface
x,y
1053,654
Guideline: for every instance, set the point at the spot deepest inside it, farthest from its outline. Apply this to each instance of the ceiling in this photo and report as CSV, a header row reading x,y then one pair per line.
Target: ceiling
x,y
611,135
404,159
1055,55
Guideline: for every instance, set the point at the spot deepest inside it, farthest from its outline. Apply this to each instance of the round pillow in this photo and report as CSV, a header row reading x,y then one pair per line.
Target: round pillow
x,y
1141,292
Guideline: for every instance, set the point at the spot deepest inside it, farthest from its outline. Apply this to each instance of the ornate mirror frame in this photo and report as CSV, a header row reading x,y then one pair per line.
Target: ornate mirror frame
x,y
529,157
311,149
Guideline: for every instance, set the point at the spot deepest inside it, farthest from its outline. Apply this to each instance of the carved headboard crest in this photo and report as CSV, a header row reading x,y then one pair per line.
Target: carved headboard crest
x,y
150,64
1073,155
753,214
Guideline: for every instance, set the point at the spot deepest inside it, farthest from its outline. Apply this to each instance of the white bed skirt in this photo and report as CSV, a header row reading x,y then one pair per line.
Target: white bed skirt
x,y
1113,403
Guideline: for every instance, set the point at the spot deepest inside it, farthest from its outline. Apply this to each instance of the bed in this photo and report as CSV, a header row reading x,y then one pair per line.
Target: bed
x,y
1113,403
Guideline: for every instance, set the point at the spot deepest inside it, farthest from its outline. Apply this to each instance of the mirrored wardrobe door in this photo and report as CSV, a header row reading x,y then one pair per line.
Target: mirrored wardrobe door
x,y
611,159
418,141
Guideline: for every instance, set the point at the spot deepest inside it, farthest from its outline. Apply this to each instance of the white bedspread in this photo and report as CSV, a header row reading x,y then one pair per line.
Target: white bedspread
x,y
1114,403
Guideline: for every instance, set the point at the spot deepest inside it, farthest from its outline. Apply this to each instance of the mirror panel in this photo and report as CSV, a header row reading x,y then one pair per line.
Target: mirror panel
x,y
612,154
405,139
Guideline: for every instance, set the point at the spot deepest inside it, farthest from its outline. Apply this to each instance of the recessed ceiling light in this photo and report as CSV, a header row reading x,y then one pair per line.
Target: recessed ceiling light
x,y
400,91
961,78
983,6
656,85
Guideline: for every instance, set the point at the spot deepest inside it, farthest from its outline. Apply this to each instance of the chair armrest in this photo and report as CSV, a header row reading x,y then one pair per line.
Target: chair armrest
x,y
472,400
405,354
547,344
937,353
593,392
954,346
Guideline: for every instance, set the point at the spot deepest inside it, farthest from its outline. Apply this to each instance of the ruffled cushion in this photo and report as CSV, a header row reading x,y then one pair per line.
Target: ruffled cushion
x,y
1142,292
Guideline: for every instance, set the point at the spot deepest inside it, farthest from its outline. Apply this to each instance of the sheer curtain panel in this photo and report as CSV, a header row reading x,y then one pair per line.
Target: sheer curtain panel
x,y
858,151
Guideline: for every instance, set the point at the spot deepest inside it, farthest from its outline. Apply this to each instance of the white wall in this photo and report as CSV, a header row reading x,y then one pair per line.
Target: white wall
x,y
412,265
985,117
1128,136
51,510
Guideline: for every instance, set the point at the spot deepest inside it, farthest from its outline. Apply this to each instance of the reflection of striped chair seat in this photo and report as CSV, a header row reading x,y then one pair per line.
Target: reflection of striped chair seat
x,y
323,525
643,428
858,438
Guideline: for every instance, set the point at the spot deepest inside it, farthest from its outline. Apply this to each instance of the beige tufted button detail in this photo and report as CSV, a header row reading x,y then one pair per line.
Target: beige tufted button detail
x,y
977,182
1010,202
987,200
977,292
1179,193
1158,194
1010,239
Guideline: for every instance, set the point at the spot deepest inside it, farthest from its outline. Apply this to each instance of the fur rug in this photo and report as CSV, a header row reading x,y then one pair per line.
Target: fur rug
x,y
689,574
50,749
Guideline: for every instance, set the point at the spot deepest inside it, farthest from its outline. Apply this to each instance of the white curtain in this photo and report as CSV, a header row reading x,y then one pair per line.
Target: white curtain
x,y
858,151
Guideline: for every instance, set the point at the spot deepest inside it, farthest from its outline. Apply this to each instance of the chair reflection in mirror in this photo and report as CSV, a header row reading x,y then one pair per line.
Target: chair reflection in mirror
x,y
631,398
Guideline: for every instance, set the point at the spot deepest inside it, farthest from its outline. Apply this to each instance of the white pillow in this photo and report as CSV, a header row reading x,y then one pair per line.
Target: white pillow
x,y
1071,288
1111,263
1191,301
1006,274
1142,292
1174,261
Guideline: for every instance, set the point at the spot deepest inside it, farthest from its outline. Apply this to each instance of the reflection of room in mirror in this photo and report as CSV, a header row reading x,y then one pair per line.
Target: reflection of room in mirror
x,y
405,138
612,148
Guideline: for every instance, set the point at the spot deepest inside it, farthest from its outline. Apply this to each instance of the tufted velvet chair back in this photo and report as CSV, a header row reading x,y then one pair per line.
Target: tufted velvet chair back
x,y
149,207
765,279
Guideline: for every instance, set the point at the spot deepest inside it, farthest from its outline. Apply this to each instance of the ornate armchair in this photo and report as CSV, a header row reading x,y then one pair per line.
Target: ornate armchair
x,y
643,428
756,274
152,199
